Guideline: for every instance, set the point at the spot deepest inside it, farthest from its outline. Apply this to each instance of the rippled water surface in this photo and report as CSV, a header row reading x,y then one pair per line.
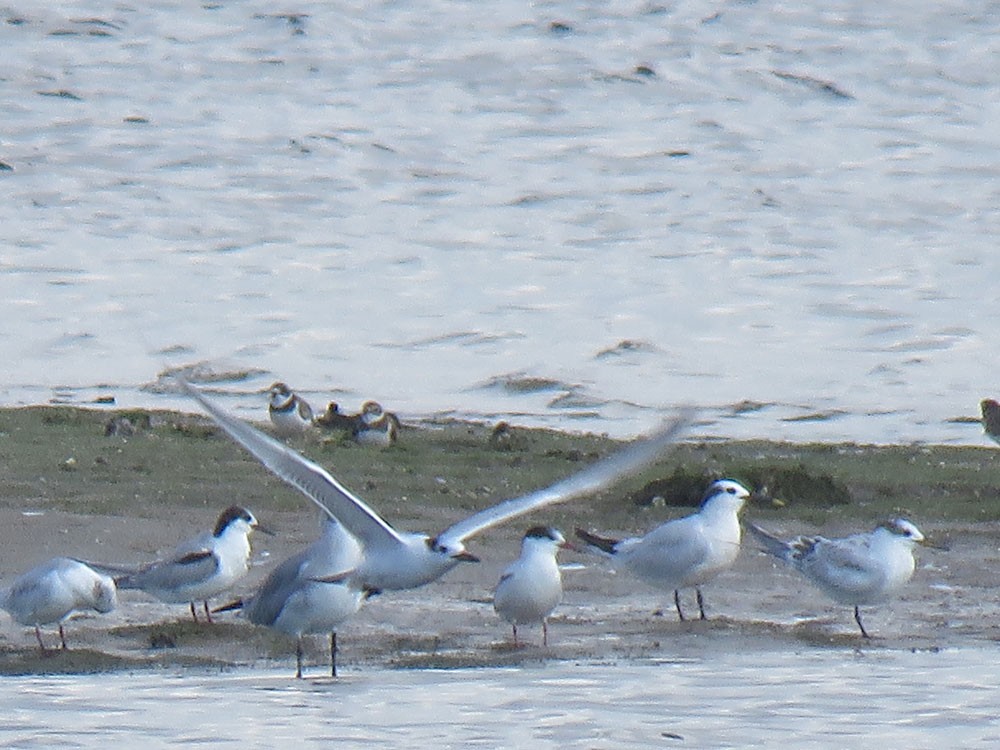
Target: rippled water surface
x,y
810,699
576,214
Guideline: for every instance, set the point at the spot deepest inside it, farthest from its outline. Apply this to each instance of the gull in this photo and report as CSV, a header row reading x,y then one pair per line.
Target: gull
x,y
310,592
290,414
55,590
991,418
531,586
394,559
199,568
856,570
684,552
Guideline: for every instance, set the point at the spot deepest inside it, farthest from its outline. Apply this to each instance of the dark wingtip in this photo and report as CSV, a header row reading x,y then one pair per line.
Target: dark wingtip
x,y
238,604
602,543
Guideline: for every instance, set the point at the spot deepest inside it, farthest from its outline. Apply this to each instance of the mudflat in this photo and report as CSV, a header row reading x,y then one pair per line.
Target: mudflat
x,y
125,487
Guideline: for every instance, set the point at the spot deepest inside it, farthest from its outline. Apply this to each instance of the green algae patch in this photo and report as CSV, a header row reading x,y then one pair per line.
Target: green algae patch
x,y
85,461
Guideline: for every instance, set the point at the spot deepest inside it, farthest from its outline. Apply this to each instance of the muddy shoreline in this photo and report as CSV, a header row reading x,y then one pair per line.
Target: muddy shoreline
x,y
70,488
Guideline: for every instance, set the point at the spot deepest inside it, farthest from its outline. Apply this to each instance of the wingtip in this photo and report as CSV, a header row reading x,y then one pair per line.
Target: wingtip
x,y
604,544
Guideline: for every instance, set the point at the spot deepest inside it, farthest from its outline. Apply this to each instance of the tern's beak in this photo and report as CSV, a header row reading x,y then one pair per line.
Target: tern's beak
x,y
465,557
569,546
934,544
264,530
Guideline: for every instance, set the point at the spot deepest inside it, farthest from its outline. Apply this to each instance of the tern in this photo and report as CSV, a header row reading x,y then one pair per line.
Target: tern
x,y
199,568
394,559
310,592
55,590
856,570
531,586
684,552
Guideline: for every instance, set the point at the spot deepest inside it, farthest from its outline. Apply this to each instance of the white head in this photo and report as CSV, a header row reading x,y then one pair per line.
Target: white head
x,y
450,551
903,529
238,519
725,494
105,594
545,537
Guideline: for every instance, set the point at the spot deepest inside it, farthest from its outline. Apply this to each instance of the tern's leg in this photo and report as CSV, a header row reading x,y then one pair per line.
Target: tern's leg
x,y
333,654
62,637
38,635
208,615
514,626
677,603
701,603
545,633
194,613
857,619
298,658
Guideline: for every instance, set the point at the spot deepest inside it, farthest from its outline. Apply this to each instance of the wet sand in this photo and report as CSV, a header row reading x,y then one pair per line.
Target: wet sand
x,y
605,616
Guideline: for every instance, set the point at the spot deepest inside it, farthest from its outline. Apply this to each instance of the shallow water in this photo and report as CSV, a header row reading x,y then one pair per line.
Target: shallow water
x,y
810,698
577,215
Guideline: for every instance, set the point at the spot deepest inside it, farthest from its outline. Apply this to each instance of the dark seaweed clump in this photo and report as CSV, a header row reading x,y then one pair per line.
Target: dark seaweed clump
x,y
779,485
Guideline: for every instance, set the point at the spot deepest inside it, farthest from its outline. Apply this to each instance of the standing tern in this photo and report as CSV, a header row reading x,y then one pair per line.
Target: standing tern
x,y
684,552
531,586
199,568
55,590
400,560
310,592
859,569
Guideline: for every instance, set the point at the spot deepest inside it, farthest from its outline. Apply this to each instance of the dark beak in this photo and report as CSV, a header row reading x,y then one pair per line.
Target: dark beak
x,y
465,557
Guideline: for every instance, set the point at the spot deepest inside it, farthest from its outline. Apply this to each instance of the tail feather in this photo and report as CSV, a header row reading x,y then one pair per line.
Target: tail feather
x,y
770,542
238,604
603,544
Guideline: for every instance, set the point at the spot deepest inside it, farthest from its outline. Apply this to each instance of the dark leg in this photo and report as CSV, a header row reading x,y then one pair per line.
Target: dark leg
x,y
298,658
38,635
677,603
333,654
701,603
514,626
857,619
194,613
545,633
208,615
62,637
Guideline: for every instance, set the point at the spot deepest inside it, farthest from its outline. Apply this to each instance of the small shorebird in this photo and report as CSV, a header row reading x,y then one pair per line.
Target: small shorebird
x,y
684,552
290,414
394,559
531,586
199,568
309,592
991,418
55,590
856,570
334,419
375,426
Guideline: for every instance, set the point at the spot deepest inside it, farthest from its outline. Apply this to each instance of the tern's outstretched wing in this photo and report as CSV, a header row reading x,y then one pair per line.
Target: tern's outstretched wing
x,y
603,474
309,478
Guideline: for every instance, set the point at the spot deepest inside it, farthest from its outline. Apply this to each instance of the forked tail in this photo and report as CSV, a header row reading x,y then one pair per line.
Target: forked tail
x,y
770,542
